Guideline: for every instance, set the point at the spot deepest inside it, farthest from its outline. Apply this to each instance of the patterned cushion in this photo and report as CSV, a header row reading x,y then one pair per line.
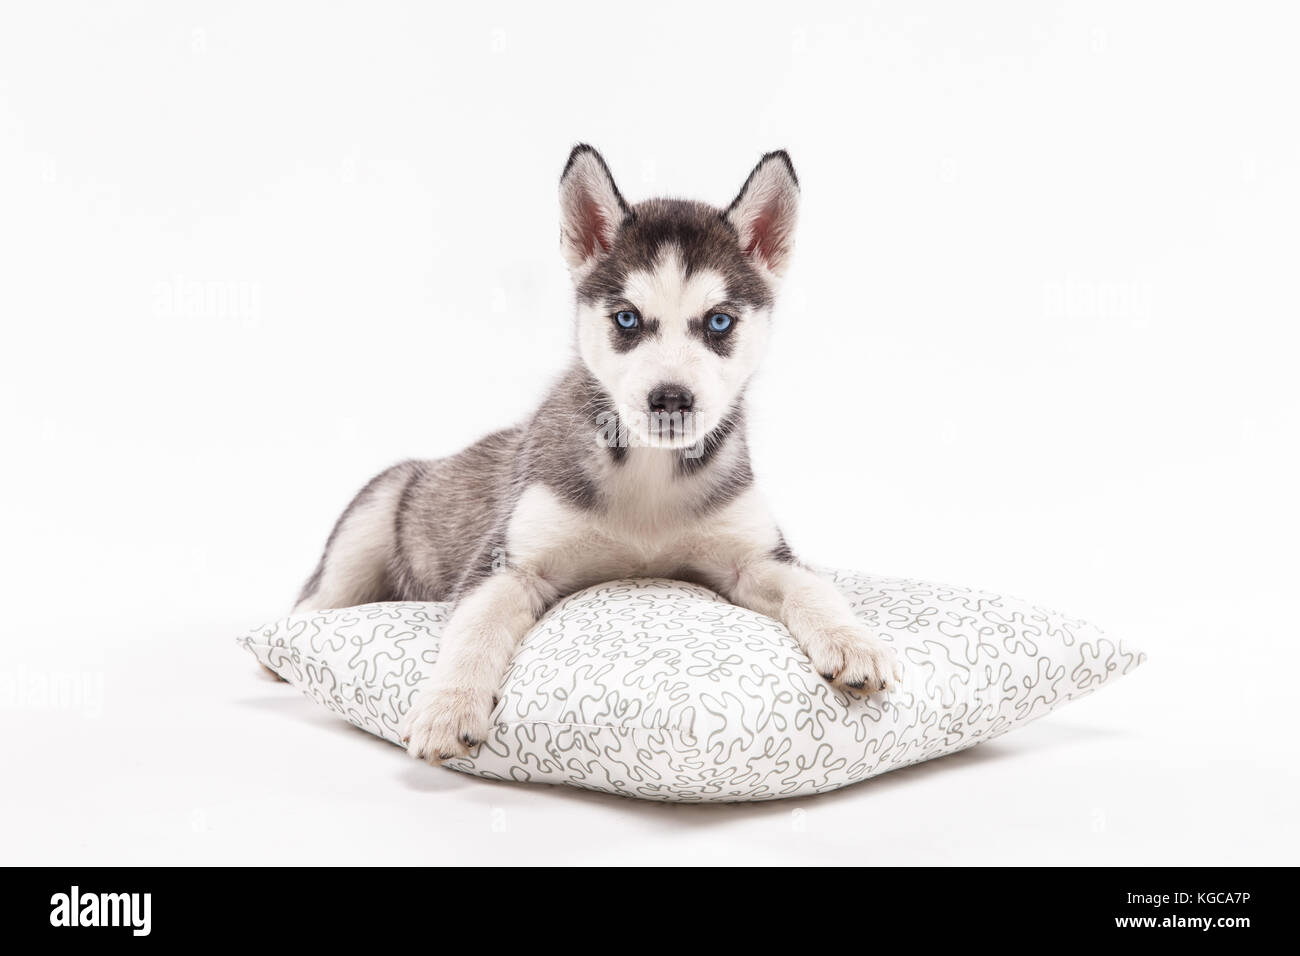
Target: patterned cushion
x,y
662,690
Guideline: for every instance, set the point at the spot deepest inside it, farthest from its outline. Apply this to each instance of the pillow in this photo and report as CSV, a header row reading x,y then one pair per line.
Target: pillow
x,y
663,690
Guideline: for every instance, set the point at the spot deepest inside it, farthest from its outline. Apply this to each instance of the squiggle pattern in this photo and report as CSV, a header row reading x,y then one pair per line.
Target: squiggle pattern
x,y
663,690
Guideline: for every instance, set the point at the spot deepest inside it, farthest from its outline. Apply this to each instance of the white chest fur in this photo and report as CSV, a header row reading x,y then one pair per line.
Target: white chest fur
x,y
654,522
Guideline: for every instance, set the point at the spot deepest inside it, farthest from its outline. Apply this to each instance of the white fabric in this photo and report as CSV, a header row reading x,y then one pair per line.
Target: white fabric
x,y
662,690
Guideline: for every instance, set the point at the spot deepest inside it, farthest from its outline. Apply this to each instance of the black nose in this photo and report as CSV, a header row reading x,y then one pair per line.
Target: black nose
x,y
671,398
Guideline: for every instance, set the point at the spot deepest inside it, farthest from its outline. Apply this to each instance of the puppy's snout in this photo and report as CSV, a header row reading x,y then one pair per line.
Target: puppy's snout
x,y
671,398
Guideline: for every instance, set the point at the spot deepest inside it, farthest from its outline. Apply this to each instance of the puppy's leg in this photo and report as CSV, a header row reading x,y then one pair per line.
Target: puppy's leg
x,y
450,714
354,566
839,645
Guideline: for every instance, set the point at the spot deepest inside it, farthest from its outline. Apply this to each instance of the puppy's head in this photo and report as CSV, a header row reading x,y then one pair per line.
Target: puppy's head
x,y
674,298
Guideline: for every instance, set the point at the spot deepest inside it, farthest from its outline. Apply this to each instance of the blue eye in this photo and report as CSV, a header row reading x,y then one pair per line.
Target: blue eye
x,y
720,321
627,320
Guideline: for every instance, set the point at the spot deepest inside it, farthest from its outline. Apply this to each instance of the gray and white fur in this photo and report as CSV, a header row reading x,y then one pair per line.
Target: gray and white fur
x,y
635,463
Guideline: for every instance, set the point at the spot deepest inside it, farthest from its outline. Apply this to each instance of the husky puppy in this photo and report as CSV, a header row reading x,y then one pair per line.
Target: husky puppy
x,y
635,464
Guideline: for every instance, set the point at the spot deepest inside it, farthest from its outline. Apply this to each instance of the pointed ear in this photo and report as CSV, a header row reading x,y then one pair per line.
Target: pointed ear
x,y
591,208
764,213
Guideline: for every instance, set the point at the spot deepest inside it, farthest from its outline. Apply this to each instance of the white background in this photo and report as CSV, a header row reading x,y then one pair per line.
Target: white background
x,y
1039,336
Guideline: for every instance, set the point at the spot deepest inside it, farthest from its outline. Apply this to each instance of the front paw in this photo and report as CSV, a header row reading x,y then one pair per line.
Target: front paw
x,y
853,656
446,722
